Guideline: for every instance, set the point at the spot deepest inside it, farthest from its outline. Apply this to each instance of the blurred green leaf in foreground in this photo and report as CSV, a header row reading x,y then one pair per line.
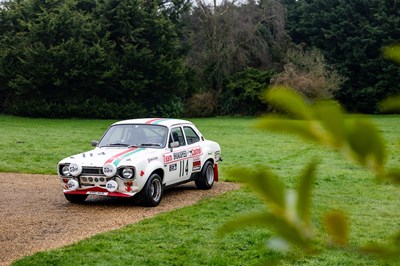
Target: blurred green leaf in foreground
x,y
288,211
326,123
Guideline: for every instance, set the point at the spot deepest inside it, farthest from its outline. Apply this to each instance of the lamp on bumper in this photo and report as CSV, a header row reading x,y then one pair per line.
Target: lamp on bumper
x,y
73,184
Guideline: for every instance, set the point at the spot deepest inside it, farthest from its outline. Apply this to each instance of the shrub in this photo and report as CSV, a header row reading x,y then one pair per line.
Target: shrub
x,y
308,73
201,105
174,107
243,93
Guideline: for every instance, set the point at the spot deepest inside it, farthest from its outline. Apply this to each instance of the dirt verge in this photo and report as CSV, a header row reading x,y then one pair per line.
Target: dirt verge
x,y
35,216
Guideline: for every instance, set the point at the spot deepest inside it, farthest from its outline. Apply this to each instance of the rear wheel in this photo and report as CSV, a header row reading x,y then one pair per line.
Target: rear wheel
x,y
206,178
151,193
75,198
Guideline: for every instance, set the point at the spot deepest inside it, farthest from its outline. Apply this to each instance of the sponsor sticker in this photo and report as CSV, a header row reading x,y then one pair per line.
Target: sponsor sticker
x,y
182,154
196,165
196,151
173,167
167,158
152,159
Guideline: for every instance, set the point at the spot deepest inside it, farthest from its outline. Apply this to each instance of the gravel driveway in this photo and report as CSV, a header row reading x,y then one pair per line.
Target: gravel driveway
x,y
35,216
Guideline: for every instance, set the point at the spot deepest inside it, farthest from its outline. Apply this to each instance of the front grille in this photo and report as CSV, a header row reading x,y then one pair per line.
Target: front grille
x,y
92,171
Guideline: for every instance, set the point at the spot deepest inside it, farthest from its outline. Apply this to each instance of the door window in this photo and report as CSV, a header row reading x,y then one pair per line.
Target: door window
x,y
191,136
177,135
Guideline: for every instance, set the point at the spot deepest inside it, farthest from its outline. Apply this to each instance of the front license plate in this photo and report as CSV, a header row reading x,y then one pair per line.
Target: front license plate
x,y
97,193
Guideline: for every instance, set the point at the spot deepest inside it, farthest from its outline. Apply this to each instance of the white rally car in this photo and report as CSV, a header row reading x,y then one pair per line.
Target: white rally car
x,y
141,156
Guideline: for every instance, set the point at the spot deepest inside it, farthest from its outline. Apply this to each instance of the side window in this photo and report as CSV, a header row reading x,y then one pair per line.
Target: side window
x,y
191,136
177,135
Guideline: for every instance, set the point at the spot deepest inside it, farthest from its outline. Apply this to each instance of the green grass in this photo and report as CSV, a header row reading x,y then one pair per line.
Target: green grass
x,y
188,236
36,145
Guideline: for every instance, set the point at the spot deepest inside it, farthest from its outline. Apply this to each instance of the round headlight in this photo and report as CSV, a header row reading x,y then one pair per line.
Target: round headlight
x,y
65,170
127,173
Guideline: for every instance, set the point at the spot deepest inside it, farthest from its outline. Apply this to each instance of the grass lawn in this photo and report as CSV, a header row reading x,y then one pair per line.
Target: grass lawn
x,y
188,236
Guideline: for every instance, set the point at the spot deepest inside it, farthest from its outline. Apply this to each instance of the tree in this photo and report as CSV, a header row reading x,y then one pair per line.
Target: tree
x,y
83,58
147,51
50,53
350,34
230,37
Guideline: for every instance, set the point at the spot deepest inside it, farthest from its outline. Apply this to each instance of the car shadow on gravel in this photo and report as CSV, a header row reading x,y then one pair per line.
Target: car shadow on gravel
x,y
168,194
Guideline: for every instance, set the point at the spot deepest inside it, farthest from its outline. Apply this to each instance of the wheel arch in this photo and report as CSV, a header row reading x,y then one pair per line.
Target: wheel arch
x,y
215,166
155,167
209,159
209,155
160,172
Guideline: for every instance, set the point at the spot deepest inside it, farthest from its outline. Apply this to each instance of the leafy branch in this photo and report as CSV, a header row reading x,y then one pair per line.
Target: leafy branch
x,y
288,211
327,124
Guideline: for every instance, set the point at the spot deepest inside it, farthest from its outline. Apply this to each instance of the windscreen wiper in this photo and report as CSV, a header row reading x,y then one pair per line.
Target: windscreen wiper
x,y
150,144
118,144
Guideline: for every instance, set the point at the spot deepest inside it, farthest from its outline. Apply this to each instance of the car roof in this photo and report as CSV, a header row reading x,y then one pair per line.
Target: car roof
x,y
155,121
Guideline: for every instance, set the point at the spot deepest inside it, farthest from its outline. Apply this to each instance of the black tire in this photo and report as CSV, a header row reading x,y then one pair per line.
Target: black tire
x,y
75,198
152,192
206,178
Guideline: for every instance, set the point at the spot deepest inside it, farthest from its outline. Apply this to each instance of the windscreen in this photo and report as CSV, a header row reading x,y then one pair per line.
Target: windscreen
x,y
135,135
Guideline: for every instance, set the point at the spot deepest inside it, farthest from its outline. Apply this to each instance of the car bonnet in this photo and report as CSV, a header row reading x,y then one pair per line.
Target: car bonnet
x,y
116,156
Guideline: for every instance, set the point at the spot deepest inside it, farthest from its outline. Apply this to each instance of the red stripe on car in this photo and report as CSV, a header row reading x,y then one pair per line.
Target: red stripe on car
x,y
153,120
120,154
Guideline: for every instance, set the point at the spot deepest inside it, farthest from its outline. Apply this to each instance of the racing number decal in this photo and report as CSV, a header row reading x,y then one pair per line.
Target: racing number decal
x,y
183,168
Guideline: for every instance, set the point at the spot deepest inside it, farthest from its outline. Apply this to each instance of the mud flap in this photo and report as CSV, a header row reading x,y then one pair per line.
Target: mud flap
x,y
216,172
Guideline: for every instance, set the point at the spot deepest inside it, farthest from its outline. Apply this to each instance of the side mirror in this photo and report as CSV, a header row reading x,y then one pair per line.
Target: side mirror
x,y
174,144
94,143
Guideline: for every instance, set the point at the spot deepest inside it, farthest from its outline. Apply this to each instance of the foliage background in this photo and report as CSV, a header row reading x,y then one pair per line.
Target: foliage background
x,y
133,58
351,35
91,59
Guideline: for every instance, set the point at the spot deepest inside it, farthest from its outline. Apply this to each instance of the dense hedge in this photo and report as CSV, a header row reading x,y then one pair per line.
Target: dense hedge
x,y
93,59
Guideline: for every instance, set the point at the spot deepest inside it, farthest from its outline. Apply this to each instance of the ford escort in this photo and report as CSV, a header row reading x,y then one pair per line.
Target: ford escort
x,y
141,157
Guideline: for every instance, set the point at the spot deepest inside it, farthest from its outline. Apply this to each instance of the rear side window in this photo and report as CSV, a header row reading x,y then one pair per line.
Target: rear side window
x,y
191,136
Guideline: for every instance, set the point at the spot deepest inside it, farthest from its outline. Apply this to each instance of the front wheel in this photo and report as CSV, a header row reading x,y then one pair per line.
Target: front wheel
x,y
206,178
151,193
75,198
